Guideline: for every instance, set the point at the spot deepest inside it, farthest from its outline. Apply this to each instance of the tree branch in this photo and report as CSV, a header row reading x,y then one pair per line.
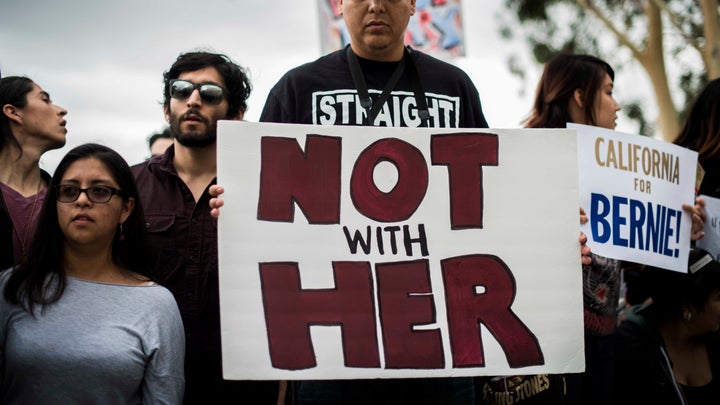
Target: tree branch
x,y
711,27
676,23
621,36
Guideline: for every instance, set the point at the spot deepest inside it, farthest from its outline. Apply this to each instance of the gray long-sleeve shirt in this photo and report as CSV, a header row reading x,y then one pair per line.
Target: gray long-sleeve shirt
x,y
100,343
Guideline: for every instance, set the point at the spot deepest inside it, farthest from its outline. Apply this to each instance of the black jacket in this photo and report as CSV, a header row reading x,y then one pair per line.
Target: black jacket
x,y
644,372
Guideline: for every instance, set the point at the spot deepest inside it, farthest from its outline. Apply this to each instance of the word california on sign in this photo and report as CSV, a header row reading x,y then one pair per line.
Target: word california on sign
x,y
356,252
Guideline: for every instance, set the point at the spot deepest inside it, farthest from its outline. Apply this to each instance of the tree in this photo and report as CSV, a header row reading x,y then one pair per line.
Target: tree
x,y
683,33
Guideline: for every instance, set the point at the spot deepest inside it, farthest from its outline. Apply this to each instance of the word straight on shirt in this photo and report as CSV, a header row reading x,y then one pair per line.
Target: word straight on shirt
x,y
342,107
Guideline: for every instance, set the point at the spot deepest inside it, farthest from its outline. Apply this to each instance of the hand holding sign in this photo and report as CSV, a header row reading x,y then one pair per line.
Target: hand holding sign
x,y
216,202
698,217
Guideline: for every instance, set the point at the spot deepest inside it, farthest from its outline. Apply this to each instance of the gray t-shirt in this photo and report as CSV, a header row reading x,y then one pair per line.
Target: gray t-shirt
x,y
99,344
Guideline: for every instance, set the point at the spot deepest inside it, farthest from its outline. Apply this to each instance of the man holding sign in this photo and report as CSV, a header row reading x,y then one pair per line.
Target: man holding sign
x,y
376,80
389,85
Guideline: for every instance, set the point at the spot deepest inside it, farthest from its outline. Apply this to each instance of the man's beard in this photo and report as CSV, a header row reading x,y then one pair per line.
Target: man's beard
x,y
193,139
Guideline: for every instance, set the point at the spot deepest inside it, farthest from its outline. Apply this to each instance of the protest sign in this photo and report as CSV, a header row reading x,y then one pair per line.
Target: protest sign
x,y
632,188
711,241
366,252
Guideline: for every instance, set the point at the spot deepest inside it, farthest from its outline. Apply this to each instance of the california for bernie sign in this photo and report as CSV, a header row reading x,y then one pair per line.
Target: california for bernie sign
x,y
632,188
367,252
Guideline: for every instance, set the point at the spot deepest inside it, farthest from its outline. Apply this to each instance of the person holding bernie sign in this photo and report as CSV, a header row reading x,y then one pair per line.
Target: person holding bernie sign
x,y
578,89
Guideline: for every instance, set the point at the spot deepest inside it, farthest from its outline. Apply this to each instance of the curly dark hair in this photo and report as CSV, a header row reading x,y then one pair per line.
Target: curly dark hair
x,y
235,77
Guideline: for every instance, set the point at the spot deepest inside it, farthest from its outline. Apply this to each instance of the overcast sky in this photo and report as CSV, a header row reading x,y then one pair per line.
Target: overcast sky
x,y
103,60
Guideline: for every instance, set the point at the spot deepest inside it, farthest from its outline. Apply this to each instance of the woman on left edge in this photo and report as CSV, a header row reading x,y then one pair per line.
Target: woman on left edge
x,y
30,125
81,321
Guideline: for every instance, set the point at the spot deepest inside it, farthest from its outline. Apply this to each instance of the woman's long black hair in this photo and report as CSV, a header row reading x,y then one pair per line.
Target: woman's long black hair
x,y
40,279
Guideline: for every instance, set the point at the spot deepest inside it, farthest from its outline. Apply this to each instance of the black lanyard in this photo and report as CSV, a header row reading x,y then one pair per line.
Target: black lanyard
x,y
366,101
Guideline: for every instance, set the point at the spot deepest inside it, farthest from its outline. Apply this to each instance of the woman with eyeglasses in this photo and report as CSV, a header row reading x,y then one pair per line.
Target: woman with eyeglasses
x,y
81,321
30,125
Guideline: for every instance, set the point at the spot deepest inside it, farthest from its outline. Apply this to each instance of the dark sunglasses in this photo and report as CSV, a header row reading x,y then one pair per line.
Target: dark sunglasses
x,y
209,93
67,193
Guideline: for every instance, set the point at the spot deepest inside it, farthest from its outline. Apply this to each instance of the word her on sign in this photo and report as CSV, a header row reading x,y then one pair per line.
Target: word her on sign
x,y
405,299
311,179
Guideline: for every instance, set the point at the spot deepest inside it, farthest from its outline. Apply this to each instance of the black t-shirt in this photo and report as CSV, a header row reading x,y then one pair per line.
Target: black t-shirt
x,y
323,92
706,395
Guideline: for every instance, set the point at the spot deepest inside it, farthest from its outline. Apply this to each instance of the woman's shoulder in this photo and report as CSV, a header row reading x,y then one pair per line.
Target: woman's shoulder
x,y
151,290
155,297
137,291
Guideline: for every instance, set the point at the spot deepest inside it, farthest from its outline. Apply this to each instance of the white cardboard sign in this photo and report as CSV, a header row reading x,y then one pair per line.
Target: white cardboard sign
x,y
365,252
632,189
711,241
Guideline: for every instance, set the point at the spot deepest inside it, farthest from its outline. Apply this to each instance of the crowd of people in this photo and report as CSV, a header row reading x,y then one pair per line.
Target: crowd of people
x,y
110,290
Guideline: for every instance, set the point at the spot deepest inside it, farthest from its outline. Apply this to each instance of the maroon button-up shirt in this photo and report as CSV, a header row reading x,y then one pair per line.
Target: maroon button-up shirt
x,y
182,239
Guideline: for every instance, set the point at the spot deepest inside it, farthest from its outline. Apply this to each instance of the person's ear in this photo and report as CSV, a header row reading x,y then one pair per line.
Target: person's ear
x,y
340,7
239,116
127,209
12,113
166,112
412,7
578,98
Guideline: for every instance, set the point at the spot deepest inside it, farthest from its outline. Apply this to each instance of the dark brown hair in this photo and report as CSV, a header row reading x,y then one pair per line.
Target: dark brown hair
x,y
563,75
701,132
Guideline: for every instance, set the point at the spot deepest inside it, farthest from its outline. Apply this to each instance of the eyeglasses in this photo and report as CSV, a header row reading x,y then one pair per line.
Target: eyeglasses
x,y
67,193
209,93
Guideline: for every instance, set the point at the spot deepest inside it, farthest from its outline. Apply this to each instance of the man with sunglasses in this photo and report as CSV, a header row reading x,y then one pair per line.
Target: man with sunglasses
x,y
376,80
200,89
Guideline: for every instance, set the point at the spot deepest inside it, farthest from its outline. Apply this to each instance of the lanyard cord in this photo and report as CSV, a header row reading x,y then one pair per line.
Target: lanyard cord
x,y
418,92
366,101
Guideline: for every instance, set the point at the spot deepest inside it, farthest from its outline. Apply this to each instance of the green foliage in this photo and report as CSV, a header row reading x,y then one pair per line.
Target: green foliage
x,y
550,27
634,111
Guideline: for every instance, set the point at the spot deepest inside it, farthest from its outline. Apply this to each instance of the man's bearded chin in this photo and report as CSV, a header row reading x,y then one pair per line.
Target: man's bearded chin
x,y
196,139
193,139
